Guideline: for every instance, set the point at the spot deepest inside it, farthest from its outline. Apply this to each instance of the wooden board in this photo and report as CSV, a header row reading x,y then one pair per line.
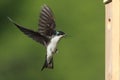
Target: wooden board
x,y
112,39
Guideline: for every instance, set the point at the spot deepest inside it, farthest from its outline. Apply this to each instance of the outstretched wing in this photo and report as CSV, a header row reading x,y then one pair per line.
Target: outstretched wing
x,y
46,21
32,34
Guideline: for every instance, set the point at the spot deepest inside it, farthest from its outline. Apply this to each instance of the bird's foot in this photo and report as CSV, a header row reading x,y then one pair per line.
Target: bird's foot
x,y
56,51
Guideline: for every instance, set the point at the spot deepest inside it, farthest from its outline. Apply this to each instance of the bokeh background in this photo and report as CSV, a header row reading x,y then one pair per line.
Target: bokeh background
x,y
81,54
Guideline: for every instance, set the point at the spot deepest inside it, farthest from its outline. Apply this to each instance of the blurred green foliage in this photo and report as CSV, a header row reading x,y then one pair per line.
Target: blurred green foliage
x,y
81,54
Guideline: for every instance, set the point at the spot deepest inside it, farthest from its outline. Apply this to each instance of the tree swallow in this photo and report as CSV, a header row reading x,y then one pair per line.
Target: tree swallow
x,y
46,34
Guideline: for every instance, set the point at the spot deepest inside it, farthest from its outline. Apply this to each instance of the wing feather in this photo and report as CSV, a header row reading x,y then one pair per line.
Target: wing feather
x,y
46,22
32,34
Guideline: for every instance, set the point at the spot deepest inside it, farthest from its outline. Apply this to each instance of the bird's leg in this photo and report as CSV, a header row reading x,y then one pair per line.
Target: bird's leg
x,y
56,50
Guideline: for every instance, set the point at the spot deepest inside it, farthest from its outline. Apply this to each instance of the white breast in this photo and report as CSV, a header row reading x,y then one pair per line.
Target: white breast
x,y
52,46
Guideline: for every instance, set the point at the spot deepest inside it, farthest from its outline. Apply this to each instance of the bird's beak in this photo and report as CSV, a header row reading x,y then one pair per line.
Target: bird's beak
x,y
65,35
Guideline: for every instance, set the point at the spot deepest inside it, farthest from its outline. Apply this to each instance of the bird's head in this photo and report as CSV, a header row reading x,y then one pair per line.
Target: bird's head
x,y
60,33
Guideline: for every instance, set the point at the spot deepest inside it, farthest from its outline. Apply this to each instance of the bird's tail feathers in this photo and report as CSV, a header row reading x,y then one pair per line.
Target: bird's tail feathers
x,y
48,65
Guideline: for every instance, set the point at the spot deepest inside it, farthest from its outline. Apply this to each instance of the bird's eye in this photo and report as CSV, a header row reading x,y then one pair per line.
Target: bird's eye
x,y
57,33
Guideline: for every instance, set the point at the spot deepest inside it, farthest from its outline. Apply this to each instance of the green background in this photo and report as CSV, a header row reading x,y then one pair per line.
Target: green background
x,y
81,54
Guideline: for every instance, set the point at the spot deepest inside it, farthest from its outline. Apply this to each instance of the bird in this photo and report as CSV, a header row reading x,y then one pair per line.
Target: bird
x,y
47,35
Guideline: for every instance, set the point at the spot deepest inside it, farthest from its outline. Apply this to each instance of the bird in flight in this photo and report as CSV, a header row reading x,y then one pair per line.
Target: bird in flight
x,y
46,34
